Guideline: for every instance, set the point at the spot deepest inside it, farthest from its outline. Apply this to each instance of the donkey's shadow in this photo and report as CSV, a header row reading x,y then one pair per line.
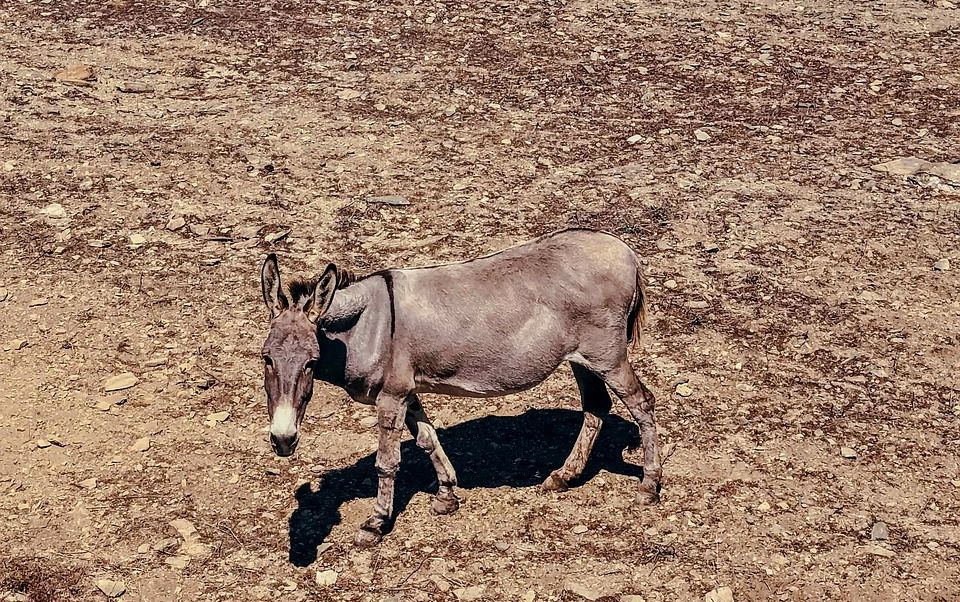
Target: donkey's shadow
x,y
516,451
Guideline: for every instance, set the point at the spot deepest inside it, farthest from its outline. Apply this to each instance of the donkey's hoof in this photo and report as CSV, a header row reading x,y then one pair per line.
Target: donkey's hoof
x,y
647,497
555,483
367,537
446,504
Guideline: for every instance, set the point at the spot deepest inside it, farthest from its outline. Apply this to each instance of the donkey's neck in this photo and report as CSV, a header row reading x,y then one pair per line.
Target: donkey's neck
x,y
333,333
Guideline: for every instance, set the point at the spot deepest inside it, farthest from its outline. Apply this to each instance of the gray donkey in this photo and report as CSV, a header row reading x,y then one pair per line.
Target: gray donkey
x,y
486,327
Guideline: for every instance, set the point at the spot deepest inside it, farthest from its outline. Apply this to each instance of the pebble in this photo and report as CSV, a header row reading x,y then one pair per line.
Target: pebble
x,y
580,529
192,545
701,135
764,507
42,443
39,301
388,200
878,551
135,87
111,589
176,223
4,293
880,531
684,390
105,405
199,229
848,452
218,417
16,344
696,305
137,240
54,211
326,578
631,598
581,590
942,266
178,562
90,483
97,243
634,139
368,422
531,595
274,237
141,445
469,594
120,382
670,284
721,594
710,247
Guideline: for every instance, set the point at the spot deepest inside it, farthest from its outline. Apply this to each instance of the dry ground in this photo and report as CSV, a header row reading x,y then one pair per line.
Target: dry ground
x,y
793,290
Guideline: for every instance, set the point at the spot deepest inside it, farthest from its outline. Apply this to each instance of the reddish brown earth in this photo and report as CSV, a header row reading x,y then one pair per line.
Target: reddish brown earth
x,y
792,287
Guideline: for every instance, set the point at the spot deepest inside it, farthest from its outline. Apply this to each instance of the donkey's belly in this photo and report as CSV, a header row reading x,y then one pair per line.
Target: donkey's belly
x,y
488,381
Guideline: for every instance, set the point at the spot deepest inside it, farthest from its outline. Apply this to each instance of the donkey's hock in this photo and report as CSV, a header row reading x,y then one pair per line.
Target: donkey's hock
x,y
487,327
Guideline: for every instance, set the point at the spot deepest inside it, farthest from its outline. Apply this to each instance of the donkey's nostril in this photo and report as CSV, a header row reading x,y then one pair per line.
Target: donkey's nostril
x,y
284,445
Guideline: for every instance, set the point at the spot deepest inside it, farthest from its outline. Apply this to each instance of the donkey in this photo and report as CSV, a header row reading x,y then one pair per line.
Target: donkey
x,y
486,327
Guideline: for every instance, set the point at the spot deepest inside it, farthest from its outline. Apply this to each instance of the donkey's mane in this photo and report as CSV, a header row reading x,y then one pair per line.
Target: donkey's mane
x,y
302,288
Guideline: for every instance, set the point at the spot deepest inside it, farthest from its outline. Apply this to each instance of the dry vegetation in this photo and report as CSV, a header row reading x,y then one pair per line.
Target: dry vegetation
x,y
731,143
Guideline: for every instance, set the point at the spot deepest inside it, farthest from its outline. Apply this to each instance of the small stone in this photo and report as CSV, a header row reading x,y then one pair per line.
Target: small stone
x,y
932,545
4,293
90,483
111,589
684,390
764,507
137,240
120,382
701,135
39,301
326,578
105,405
135,88
579,529
143,549
880,531
368,422
75,74
217,417
848,452
634,139
97,243
273,471
16,344
176,223
879,551
234,479
502,546
670,284
696,305
710,247
721,594
469,594
530,596
178,562
272,238
348,94
141,445
200,229
632,598
192,545
942,266
43,443
581,590
897,122
54,211
388,200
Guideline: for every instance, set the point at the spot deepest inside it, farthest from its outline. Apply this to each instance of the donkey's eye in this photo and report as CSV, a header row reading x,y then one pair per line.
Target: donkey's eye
x,y
267,361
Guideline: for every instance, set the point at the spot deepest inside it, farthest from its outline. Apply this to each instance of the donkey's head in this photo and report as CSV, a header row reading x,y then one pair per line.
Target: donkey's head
x,y
291,350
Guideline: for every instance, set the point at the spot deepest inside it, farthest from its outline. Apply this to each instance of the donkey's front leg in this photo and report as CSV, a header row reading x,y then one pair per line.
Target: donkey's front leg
x,y
391,411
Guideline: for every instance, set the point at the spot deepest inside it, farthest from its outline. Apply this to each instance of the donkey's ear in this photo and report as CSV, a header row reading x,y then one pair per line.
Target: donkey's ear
x,y
270,285
322,294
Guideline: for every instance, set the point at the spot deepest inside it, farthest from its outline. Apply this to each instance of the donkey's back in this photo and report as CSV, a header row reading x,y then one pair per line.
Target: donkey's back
x,y
503,322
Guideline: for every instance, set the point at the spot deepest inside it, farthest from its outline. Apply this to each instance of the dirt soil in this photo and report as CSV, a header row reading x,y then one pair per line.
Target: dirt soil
x,y
794,293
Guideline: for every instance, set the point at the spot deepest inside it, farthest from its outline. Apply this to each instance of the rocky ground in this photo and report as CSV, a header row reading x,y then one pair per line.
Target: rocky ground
x,y
805,315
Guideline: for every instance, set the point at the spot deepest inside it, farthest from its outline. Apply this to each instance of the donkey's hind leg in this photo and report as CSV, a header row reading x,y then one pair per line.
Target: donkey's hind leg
x,y
421,428
639,401
596,405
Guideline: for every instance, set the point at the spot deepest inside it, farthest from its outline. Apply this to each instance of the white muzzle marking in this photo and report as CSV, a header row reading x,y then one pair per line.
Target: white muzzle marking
x,y
284,423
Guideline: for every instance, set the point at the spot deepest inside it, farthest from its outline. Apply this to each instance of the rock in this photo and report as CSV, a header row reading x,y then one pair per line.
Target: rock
x,y
631,598
684,390
90,483
176,223
347,94
43,443
16,345
120,382
368,422
178,562
848,452
670,284
634,139
468,594
710,247
503,546
879,551
77,75
530,596
141,445
4,293
880,531
137,240
97,243
721,594
701,135
696,305
111,589
143,549
39,301
135,87
54,211
272,238
908,166
581,590
388,200
105,405
192,544
200,229
217,417
326,578
942,265
579,529
764,507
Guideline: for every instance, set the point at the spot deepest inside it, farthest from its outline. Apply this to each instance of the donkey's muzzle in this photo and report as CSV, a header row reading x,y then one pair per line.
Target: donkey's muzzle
x,y
284,445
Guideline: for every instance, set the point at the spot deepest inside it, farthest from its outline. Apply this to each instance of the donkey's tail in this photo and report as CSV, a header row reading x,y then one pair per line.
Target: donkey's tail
x,y
638,313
